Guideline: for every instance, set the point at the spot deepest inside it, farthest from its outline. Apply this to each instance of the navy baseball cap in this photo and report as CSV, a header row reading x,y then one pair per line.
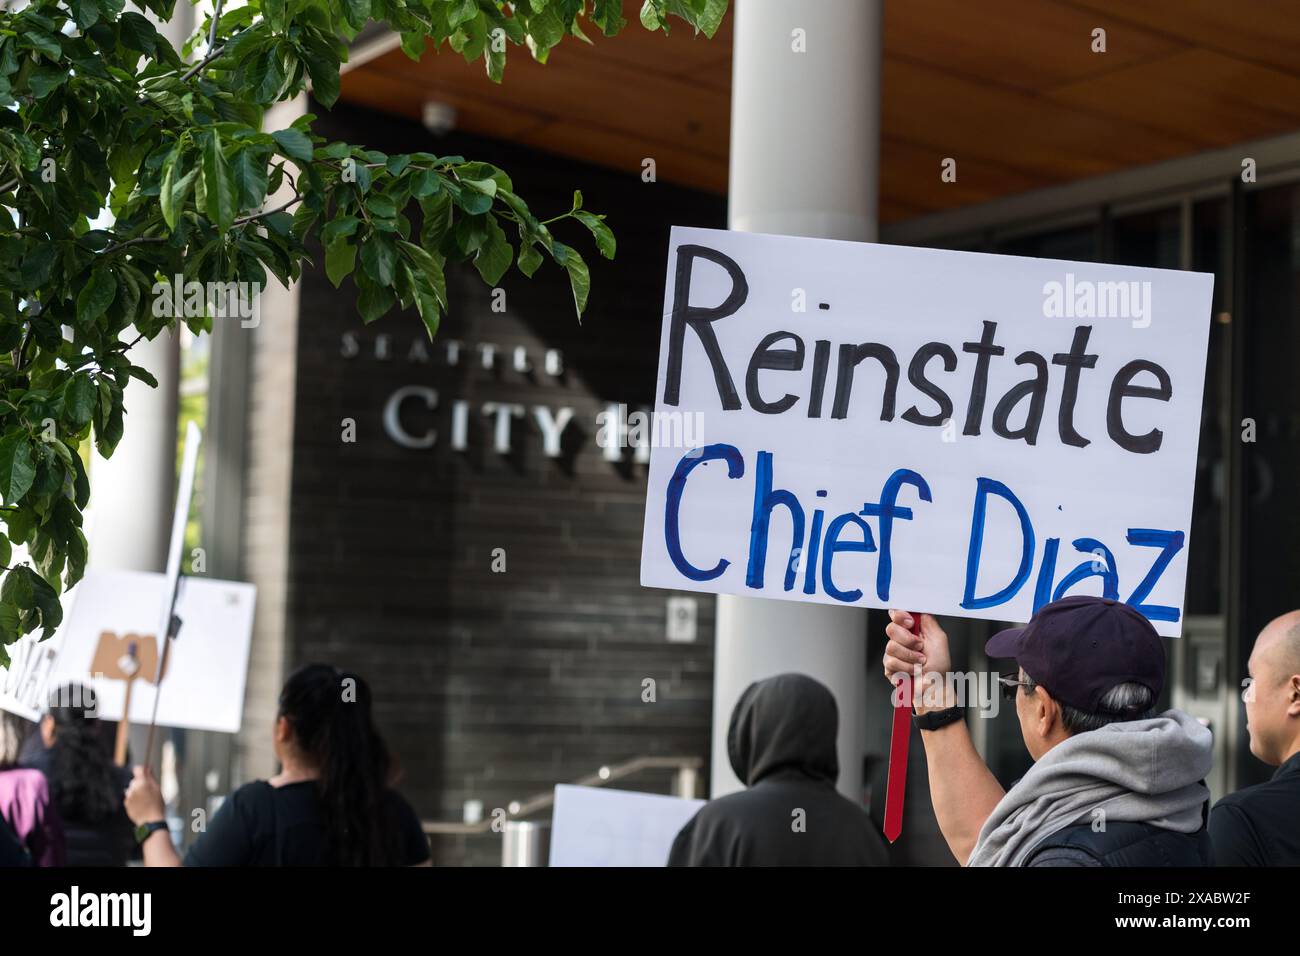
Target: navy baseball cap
x,y
1081,647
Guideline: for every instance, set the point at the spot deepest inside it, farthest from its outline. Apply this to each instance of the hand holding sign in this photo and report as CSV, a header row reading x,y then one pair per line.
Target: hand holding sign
x,y
917,653
143,800
916,658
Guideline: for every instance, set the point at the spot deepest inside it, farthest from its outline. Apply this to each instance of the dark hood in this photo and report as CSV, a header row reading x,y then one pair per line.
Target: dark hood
x,y
785,722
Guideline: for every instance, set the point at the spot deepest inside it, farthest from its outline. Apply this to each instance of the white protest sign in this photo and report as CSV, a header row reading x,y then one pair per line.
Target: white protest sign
x,y
597,826
953,432
206,671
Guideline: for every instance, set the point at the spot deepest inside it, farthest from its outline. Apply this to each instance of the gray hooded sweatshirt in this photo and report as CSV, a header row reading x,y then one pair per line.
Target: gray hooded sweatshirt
x,y
1141,771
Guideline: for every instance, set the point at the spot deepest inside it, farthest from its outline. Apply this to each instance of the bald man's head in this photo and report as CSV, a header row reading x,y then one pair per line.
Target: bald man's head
x,y
1278,646
1273,700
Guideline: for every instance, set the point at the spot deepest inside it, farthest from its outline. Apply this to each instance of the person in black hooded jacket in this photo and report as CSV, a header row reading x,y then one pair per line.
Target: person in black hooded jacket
x,y
781,742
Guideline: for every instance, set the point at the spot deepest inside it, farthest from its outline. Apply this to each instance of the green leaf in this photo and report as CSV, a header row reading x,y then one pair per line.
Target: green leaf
x,y
80,483
357,12
323,68
175,187
46,78
650,17
17,469
437,219
372,300
128,293
137,33
77,554
529,259
294,144
474,202
430,267
248,167
17,589
709,21
96,296
379,259
380,206
11,628
144,375
42,42
579,279
605,242
85,12
425,182
46,599
108,420
545,30
342,226
274,11
340,259
267,76
465,10
38,264
487,187
608,15
495,255
219,183
79,398
426,300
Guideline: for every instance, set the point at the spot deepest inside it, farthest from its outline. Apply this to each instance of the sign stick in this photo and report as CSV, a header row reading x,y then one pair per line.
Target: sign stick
x,y
899,742
169,625
131,667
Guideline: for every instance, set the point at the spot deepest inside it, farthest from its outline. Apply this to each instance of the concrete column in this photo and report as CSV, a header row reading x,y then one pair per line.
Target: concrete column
x,y
133,493
805,142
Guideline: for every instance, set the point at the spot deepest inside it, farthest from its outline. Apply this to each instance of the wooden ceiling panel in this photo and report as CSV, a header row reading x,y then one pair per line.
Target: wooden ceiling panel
x,y
1262,31
1023,44
1202,96
1016,130
911,174
400,97
503,117
1009,88
659,109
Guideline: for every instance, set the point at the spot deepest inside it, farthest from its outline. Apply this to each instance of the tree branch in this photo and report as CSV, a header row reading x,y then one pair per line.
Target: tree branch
x,y
212,30
118,246
202,64
244,220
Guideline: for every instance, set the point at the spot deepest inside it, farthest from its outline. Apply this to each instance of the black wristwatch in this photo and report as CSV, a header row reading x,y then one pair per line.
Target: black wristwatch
x,y
145,830
939,718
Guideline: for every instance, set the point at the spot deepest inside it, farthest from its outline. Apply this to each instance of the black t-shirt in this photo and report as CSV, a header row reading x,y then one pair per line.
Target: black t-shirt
x,y
1260,825
262,825
12,851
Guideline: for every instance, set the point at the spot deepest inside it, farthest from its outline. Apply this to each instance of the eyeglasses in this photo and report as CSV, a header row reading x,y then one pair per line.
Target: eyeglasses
x,y
1011,683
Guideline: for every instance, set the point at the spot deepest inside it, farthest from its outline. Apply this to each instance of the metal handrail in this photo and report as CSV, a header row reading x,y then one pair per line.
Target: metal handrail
x,y
687,768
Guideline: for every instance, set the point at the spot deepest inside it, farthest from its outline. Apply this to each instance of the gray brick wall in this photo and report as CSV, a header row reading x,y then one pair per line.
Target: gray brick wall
x,y
491,686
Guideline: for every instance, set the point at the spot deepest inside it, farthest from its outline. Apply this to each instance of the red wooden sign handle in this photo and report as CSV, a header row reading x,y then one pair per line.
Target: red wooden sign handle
x,y
900,738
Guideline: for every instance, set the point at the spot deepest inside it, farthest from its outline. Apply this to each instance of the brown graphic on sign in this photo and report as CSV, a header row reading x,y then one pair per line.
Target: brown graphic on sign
x,y
114,657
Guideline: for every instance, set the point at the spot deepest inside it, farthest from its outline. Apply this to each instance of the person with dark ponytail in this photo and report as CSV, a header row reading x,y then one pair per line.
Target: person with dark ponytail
x,y
330,805
85,785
